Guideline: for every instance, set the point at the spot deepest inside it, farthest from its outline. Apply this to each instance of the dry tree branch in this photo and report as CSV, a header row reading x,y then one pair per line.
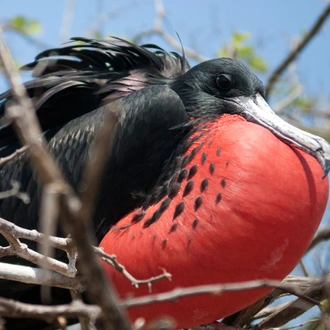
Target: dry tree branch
x,y
318,289
4,160
17,248
321,236
65,244
68,270
112,260
76,308
298,49
288,99
158,30
275,316
10,308
13,233
29,132
15,191
31,275
218,289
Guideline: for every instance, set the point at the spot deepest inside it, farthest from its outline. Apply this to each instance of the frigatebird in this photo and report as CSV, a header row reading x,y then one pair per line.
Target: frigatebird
x,y
204,179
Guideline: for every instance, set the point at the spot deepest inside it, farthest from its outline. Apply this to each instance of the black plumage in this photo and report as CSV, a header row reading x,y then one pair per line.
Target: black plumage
x,y
161,103
71,96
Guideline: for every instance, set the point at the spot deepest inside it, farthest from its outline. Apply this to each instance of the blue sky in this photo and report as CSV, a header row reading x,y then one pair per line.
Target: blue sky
x,y
204,26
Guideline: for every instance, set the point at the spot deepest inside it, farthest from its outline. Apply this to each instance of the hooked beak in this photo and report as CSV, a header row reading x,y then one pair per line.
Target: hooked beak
x,y
257,110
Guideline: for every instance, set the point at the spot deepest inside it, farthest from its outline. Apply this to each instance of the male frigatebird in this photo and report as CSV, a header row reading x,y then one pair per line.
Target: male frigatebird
x,y
204,179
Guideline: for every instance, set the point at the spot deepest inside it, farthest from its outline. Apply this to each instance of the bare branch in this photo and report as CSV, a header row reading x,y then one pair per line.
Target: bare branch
x,y
215,289
293,95
321,235
298,49
245,317
33,235
38,276
111,259
317,289
15,192
49,214
17,248
25,122
158,30
10,308
5,160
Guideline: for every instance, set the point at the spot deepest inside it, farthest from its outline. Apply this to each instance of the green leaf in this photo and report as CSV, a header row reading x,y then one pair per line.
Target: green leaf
x,y
240,48
25,25
258,63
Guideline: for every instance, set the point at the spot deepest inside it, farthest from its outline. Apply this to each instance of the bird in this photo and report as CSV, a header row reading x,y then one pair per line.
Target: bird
x,y
204,180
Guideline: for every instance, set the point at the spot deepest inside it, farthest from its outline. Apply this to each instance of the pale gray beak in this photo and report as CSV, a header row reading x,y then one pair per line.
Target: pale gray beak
x,y
257,110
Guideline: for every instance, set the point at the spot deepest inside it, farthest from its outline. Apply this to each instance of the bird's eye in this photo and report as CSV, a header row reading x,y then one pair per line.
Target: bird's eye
x,y
223,81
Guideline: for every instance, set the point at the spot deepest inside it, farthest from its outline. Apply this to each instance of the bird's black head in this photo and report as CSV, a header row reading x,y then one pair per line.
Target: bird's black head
x,y
211,87
225,85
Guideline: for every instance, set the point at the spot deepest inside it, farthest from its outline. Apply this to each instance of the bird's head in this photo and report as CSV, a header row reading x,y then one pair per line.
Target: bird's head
x,y
225,85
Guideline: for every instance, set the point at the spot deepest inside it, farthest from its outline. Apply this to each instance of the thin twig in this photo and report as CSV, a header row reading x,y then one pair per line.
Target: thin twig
x,y
298,49
19,249
215,289
321,235
246,316
15,191
33,235
287,100
7,159
317,289
49,213
112,260
10,308
158,30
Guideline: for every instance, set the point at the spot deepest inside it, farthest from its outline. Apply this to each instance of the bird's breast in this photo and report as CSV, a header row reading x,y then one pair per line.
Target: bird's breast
x,y
243,206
